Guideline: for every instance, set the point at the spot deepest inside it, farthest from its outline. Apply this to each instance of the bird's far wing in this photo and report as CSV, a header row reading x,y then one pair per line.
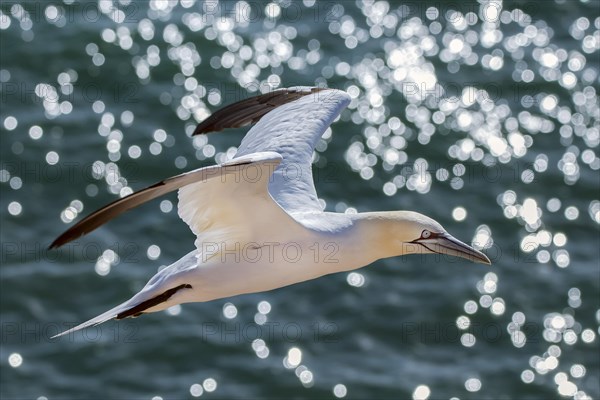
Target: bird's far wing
x,y
238,171
249,111
290,122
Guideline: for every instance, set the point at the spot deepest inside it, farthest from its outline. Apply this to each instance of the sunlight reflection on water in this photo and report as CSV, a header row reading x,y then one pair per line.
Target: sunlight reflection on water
x,y
413,59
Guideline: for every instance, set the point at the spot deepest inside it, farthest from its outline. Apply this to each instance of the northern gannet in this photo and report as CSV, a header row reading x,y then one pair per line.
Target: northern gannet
x,y
258,222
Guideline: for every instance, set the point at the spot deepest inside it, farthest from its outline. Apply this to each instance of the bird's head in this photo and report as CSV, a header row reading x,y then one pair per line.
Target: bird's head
x,y
409,232
423,235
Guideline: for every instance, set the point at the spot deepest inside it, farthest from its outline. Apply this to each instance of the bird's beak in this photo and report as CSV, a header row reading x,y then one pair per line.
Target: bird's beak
x,y
445,243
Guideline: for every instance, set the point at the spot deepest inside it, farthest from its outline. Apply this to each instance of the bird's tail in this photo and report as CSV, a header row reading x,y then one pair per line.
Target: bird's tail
x,y
107,316
131,308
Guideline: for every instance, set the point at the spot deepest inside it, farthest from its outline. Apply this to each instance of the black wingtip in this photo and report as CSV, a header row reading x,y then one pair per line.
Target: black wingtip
x,y
249,111
70,234
55,244
59,241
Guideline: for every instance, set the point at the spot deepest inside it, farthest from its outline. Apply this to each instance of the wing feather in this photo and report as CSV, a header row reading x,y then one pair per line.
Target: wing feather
x,y
249,111
124,204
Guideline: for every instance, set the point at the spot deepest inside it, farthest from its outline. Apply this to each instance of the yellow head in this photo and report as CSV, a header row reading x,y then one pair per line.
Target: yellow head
x,y
408,232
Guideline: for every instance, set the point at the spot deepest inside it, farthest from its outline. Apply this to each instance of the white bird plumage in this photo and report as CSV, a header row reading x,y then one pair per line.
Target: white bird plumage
x,y
258,222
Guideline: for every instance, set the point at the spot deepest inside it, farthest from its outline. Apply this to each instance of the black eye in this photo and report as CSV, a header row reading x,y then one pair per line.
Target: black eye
x,y
425,234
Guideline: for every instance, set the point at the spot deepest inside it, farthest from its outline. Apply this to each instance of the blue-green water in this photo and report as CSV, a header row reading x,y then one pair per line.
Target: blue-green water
x,y
483,115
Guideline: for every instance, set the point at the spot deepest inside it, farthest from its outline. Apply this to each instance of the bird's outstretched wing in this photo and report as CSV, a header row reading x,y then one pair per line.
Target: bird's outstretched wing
x,y
290,122
218,202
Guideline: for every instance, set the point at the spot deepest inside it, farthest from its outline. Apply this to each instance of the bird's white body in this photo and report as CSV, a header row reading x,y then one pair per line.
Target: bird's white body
x,y
257,218
277,257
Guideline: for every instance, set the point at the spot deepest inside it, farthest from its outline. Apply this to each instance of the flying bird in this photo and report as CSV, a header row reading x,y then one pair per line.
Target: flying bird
x,y
258,222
